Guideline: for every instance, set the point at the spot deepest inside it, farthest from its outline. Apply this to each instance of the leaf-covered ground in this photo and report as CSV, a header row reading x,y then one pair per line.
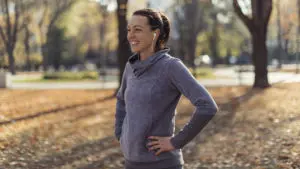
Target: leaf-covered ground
x,y
73,129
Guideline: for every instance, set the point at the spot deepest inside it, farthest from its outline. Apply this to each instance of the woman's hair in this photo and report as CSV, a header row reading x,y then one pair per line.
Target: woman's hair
x,y
157,20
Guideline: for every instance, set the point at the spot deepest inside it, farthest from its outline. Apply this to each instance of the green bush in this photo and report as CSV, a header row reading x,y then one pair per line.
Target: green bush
x,y
86,75
90,75
206,73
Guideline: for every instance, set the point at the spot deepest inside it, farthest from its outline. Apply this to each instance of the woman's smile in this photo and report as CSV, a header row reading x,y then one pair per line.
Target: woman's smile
x,y
133,43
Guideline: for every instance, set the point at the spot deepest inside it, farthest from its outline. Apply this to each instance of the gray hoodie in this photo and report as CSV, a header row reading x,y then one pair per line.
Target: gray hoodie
x,y
146,106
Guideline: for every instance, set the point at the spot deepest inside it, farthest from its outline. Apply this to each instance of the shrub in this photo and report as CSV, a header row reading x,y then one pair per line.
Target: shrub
x,y
86,75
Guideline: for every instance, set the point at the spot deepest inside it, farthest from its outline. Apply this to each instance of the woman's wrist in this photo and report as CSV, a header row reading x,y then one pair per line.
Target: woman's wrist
x,y
174,143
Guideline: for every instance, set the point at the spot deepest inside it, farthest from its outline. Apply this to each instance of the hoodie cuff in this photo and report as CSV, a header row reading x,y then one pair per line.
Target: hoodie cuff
x,y
175,143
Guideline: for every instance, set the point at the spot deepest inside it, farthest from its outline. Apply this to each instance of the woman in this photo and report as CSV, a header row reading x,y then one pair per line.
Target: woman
x,y
152,84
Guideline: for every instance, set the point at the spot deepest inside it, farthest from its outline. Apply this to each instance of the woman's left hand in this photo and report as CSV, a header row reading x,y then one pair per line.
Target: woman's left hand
x,y
162,144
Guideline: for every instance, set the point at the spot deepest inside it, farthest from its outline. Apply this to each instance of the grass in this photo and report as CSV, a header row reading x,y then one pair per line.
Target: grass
x,y
253,129
41,80
288,70
91,76
203,73
200,73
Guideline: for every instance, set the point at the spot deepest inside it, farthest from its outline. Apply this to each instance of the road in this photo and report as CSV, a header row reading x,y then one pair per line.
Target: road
x,y
226,77
233,78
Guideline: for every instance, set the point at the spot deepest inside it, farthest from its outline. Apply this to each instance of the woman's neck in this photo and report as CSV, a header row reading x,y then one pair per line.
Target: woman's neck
x,y
144,55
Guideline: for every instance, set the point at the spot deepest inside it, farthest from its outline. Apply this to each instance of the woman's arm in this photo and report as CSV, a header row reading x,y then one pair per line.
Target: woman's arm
x,y
120,106
182,80
119,116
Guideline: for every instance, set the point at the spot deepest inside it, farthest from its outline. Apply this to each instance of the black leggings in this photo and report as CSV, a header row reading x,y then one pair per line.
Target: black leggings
x,y
175,167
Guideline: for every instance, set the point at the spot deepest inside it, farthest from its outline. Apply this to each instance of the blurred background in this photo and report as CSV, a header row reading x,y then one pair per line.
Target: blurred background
x,y
61,62
78,39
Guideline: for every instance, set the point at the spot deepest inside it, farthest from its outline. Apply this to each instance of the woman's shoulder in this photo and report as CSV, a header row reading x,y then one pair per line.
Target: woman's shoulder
x,y
169,59
173,65
173,62
127,66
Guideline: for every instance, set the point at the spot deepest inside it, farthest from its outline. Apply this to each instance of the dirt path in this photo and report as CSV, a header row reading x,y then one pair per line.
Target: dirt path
x,y
72,129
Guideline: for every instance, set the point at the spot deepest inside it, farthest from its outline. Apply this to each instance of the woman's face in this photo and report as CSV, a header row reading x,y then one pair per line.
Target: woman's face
x,y
140,35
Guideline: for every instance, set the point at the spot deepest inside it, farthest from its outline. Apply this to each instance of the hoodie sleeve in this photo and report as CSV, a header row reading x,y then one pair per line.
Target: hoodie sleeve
x,y
182,80
120,106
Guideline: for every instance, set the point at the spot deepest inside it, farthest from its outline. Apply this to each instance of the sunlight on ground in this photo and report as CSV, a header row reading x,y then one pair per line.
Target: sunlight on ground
x,y
74,128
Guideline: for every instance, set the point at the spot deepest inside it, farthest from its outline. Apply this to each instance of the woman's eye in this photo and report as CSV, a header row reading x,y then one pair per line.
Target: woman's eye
x,y
135,30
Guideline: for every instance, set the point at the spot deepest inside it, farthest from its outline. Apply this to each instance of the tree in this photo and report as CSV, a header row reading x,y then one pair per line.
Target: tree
x,y
192,27
279,34
214,36
298,34
193,24
26,40
16,16
179,42
123,46
51,12
56,44
285,22
27,46
288,15
2,59
257,26
103,31
219,9
9,28
298,4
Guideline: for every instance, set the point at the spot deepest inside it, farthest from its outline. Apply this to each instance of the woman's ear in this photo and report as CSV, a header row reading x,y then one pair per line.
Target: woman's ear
x,y
155,33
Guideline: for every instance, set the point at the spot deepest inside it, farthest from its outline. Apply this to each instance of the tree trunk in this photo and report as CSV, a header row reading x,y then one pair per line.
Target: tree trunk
x,y
191,20
45,58
257,26
181,49
214,41
27,48
260,59
180,42
279,39
286,49
9,30
191,48
45,50
103,41
123,46
11,59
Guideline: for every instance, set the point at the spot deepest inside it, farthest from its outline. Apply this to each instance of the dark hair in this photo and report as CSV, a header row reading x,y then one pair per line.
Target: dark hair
x,y
157,20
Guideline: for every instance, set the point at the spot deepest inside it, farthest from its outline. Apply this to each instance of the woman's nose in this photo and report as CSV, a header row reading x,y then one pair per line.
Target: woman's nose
x,y
130,35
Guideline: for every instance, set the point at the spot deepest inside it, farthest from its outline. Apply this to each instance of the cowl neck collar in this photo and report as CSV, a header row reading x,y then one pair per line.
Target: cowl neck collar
x,y
141,66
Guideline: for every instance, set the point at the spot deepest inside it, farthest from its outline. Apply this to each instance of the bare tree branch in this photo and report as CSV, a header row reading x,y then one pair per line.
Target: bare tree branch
x,y
16,25
248,21
3,35
268,11
2,5
45,4
60,9
199,17
257,25
298,4
8,22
